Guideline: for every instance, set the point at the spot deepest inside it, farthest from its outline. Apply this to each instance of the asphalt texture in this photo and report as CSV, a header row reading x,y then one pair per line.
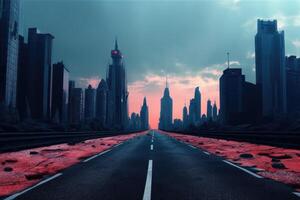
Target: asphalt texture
x,y
166,170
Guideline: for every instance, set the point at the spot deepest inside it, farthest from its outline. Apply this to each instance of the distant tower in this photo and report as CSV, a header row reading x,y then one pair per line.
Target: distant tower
x,y
197,98
144,114
166,110
60,92
89,103
209,110
117,104
9,40
215,112
270,68
192,112
101,102
185,117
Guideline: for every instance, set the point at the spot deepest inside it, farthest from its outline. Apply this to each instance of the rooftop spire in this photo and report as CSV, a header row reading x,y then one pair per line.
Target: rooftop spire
x,y
116,44
167,85
228,60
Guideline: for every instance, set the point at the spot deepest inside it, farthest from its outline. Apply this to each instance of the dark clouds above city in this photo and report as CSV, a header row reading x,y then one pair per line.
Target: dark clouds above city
x,y
186,40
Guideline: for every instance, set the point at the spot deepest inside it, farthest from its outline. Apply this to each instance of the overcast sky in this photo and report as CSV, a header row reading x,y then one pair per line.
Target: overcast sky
x,y
186,40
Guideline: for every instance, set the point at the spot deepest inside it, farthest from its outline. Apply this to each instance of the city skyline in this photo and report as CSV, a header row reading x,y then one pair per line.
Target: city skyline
x,y
187,59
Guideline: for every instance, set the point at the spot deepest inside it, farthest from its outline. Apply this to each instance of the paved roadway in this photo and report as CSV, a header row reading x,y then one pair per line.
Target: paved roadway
x,y
156,167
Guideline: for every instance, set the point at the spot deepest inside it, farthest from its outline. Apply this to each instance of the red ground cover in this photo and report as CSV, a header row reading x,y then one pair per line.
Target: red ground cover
x,y
276,163
19,170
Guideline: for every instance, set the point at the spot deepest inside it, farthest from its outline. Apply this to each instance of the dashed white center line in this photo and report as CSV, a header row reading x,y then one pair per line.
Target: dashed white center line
x,y
151,147
297,194
206,153
30,188
95,156
147,191
245,170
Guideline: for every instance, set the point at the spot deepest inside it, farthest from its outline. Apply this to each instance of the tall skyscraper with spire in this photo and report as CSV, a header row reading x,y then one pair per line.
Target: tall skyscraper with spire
x,y
144,115
166,110
185,117
117,104
197,98
215,112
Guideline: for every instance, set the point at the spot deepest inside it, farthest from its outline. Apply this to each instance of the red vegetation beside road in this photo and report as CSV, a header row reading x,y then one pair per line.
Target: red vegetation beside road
x,y
19,170
276,163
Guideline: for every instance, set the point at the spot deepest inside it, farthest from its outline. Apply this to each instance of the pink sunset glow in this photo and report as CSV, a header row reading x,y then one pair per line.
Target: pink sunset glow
x,y
181,90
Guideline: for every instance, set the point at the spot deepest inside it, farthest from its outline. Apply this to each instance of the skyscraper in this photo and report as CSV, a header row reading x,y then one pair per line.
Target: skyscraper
x,y
70,103
77,105
89,103
197,98
9,40
144,115
166,110
292,86
60,92
117,104
185,117
39,74
101,102
192,112
231,94
215,112
209,110
270,68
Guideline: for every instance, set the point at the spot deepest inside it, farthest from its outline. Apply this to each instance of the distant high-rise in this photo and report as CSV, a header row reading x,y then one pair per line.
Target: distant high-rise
x,y
9,40
77,105
22,99
60,92
215,112
101,102
209,110
70,103
197,98
292,86
117,104
166,111
270,68
239,100
39,74
89,103
231,93
185,117
144,115
192,112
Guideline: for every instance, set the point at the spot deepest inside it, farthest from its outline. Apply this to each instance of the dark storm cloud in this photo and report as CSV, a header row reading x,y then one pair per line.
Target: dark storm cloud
x,y
155,35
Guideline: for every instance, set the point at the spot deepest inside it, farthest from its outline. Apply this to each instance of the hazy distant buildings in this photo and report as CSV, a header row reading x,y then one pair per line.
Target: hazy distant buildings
x,y
117,104
270,68
209,108
166,111
101,103
293,86
9,39
89,103
215,112
197,99
135,121
177,124
60,93
144,115
192,112
185,117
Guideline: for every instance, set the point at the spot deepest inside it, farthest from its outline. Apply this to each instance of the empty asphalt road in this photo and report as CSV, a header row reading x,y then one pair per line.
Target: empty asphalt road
x,y
155,166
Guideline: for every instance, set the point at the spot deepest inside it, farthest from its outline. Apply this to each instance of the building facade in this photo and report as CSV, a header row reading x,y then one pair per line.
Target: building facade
x,y
9,43
60,93
117,104
89,104
77,106
166,111
101,102
209,109
39,74
144,115
270,68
